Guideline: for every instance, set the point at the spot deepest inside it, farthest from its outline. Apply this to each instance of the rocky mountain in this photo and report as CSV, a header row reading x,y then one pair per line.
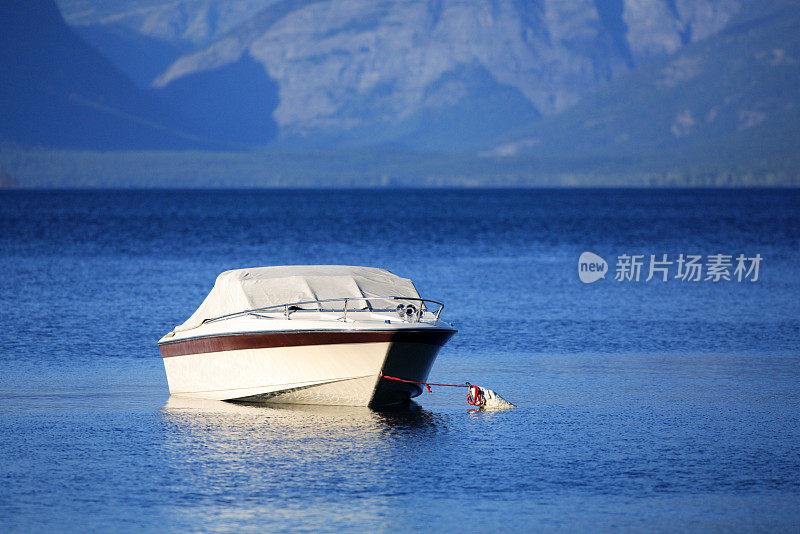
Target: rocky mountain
x,y
143,37
433,74
735,96
177,22
58,91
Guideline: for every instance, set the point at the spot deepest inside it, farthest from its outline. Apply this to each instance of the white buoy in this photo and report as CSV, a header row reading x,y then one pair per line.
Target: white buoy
x,y
493,401
486,399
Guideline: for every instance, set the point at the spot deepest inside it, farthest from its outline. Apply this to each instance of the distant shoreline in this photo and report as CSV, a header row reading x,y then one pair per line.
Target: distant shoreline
x,y
381,168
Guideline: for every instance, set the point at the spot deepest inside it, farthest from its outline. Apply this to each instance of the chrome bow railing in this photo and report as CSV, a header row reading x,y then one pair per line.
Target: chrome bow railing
x,y
407,312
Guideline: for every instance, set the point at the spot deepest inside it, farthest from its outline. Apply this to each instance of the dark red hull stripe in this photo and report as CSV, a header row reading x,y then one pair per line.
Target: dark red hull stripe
x,y
295,339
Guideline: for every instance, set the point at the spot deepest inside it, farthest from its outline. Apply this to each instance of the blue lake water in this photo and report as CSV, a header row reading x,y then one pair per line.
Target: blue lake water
x,y
656,406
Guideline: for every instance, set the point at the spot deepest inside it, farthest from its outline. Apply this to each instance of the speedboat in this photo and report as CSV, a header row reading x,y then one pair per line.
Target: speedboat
x,y
310,334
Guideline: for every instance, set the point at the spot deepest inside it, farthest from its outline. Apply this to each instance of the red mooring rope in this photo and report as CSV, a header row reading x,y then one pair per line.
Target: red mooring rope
x,y
474,397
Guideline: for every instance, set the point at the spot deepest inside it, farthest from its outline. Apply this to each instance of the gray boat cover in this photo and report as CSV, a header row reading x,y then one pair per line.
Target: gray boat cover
x,y
246,289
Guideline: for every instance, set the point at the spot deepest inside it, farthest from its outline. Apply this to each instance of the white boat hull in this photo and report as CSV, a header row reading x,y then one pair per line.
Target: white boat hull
x,y
337,373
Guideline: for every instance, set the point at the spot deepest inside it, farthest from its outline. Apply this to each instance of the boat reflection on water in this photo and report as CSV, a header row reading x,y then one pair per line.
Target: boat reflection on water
x,y
295,432
240,465
244,463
